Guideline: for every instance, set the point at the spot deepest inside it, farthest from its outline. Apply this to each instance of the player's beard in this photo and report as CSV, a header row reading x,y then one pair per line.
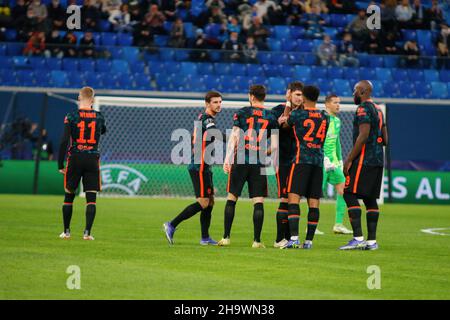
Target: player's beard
x,y
357,99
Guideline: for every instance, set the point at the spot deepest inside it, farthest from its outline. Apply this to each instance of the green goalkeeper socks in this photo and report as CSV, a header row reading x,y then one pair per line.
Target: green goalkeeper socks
x,y
340,209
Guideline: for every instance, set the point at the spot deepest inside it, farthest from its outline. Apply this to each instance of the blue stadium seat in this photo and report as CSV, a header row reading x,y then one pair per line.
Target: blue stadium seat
x,y
243,83
108,39
14,49
238,69
280,58
296,32
142,81
332,32
188,68
416,75
282,32
222,69
42,78
391,89
338,20
423,90
351,74
378,88
70,64
319,72
189,30
37,63
10,35
2,49
160,40
24,78
124,39
272,70
115,52
367,73
119,66
364,59
86,64
302,72
325,85
305,45
102,65
76,80
274,44
105,25
424,38
264,57
444,75
409,35
310,59
400,75
181,55
59,78
383,74
131,54
376,62
336,72
166,54
431,75
390,62
439,90
277,85
255,70
406,89
172,67
288,45
342,87
137,67
205,68
21,62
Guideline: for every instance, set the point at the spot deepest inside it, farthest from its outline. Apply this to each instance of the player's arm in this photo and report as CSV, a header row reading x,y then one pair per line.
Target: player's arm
x,y
63,146
385,135
339,148
364,130
231,147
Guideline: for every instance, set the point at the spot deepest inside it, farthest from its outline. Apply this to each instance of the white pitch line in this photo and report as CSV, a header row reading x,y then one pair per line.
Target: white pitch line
x,y
433,231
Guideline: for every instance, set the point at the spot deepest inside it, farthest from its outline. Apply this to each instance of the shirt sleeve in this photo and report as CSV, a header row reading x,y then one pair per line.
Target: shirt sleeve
x,y
236,119
63,144
362,115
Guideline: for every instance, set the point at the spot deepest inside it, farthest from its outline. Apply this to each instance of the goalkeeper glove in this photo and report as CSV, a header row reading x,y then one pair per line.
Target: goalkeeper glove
x,y
328,165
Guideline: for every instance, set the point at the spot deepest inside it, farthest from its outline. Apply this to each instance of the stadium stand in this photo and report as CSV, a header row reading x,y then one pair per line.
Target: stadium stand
x,y
284,52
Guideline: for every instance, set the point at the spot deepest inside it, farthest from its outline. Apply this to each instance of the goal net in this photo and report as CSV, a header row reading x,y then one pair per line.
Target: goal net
x,y
136,150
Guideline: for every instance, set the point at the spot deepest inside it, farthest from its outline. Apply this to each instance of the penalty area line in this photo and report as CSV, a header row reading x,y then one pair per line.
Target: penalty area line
x,y
434,231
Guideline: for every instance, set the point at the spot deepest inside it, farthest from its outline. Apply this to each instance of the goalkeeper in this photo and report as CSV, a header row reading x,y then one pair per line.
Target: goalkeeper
x,y
332,169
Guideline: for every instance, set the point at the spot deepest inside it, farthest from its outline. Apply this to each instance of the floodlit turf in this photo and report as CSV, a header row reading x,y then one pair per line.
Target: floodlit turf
x,y
131,259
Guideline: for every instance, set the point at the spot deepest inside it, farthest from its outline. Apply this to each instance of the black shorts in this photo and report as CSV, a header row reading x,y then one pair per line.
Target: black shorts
x,y
250,173
305,180
282,180
203,183
86,166
364,181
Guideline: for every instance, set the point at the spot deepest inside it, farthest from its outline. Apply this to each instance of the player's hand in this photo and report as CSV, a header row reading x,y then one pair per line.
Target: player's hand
x,y
347,166
282,119
226,168
62,171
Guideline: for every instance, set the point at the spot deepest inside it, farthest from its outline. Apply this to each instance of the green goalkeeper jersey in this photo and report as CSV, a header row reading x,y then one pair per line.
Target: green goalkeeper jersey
x,y
332,146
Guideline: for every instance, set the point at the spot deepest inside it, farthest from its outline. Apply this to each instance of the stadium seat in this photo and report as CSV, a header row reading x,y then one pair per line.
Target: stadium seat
x,y
205,68
76,80
273,70
37,63
70,64
376,62
42,78
238,69
189,30
305,45
444,75
423,90
338,20
131,54
342,87
165,54
282,32
243,83
336,72
105,25
142,82
378,88
172,67
274,44
439,90
10,35
277,85
125,39
264,57
108,39
332,32
406,89
119,66
59,78
14,49
302,72
3,49
367,73
21,62
400,75
424,38
115,52
137,67
255,70
86,64
188,68
288,45
319,72
325,86
296,32
416,75
431,75
181,55
222,69
310,59
160,40
351,74
280,58
390,62
102,65
383,74
409,35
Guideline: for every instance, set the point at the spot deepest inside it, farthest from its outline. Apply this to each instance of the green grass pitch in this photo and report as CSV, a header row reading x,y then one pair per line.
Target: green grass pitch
x,y
131,259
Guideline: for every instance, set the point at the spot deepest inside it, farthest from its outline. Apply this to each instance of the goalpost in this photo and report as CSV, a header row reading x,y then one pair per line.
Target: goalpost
x,y
136,150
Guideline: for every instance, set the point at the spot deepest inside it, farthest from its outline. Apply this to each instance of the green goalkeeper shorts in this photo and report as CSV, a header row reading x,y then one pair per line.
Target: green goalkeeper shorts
x,y
333,177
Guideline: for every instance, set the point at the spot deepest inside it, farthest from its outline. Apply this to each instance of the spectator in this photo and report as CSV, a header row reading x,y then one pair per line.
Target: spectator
x,y
411,54
245,15
233,48
389,46
314,23
135,13
155,19
87,45
168,8
143,33
200,53
266,10
293,10
216,15
250,51
347,57
435,16
233,25
258,32
69,41
215,34
177,34
110,7
404,14
372,44
56,15
121,20
90,16
358,26
388,18
54,45
310,4
341,6
37,13
443,57
215,3
35,45
419,15
326,52
19,15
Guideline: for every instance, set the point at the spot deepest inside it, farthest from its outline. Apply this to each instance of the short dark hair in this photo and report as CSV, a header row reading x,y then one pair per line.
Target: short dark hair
x,y
296,85
212,94
330,96
311,93
258,91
